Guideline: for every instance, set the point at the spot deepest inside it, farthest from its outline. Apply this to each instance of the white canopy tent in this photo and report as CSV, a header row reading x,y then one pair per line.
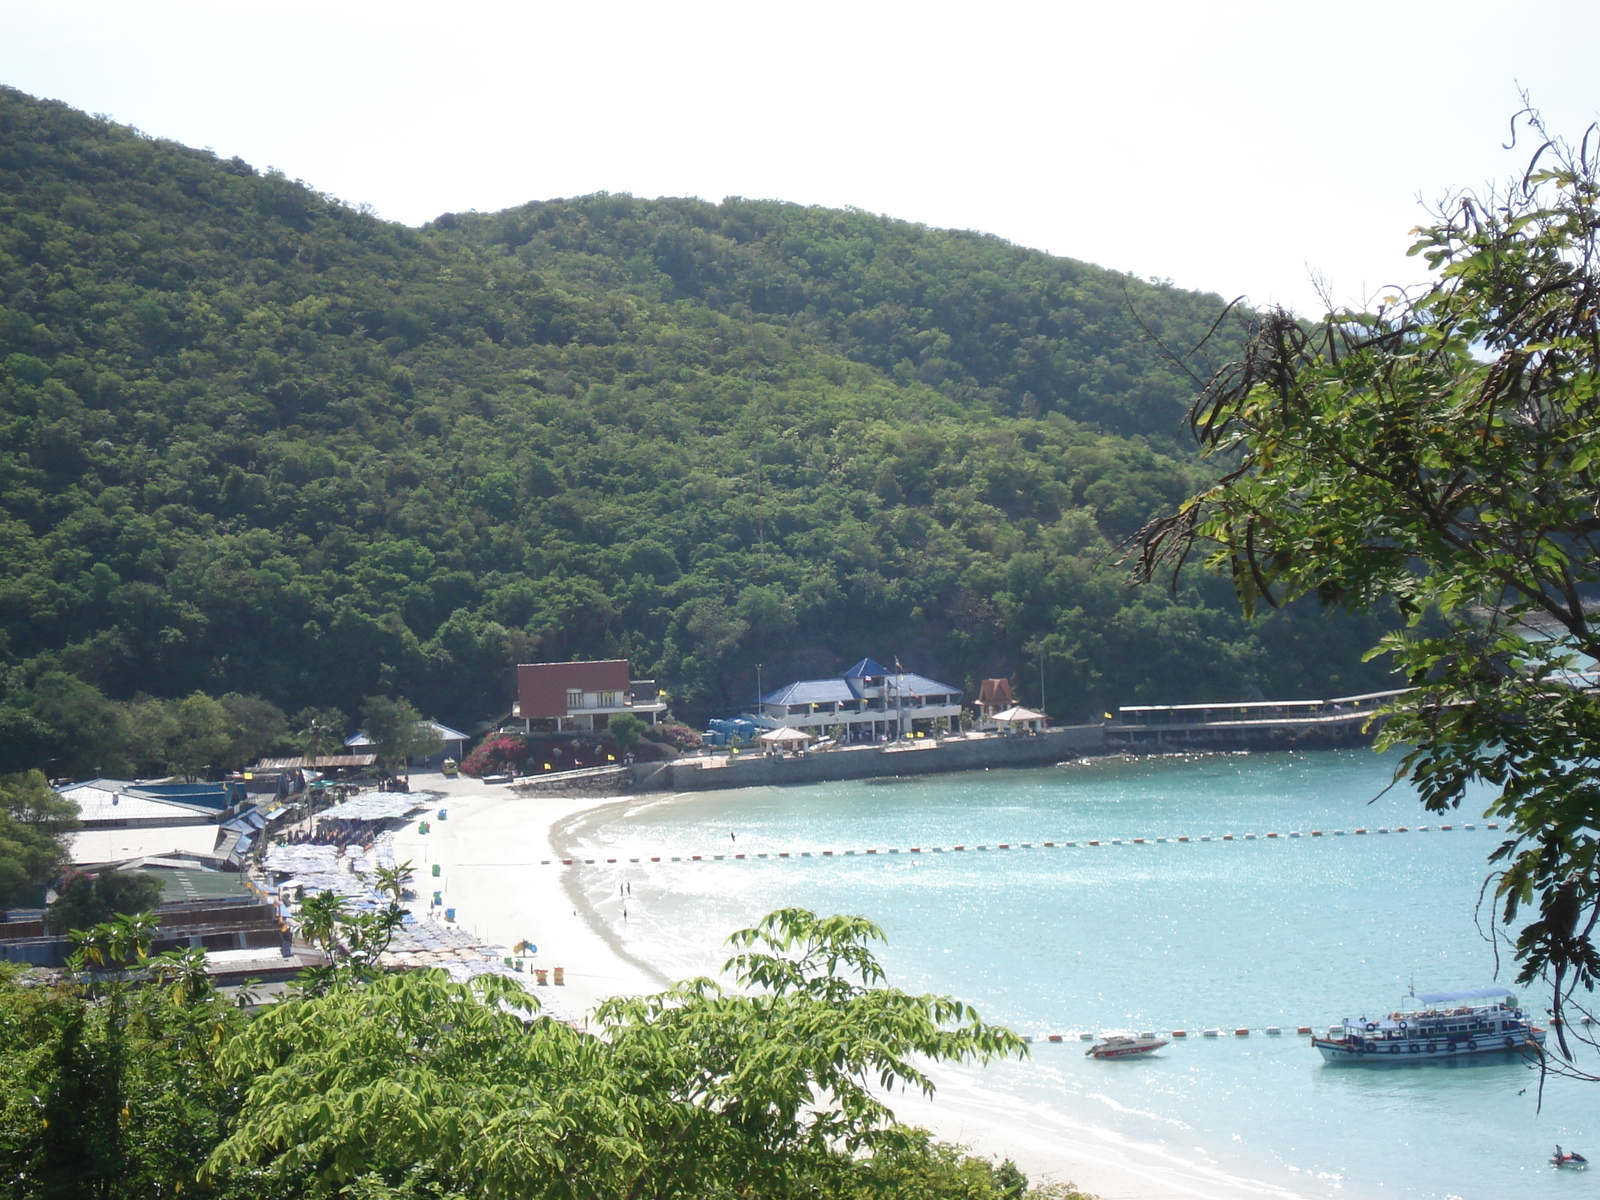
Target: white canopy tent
x,y
786,736
1019,716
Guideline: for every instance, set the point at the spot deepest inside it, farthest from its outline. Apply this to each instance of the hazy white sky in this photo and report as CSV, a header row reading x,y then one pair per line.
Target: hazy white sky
x,y
1232,145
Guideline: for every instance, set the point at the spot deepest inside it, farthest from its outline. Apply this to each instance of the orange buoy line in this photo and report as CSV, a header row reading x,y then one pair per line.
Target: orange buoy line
x,y
1051,845
1239,1031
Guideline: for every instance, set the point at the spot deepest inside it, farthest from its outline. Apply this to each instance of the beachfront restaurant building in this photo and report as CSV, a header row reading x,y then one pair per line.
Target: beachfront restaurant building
x,y
869,701
582,696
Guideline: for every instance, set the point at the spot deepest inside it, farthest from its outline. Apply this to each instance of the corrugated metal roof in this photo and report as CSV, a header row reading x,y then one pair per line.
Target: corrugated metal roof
x,y
95,803
320,762
91,846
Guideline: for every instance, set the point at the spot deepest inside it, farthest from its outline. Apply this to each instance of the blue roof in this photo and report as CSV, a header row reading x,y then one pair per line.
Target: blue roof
x,y
811,691
846,687
912,684
865,668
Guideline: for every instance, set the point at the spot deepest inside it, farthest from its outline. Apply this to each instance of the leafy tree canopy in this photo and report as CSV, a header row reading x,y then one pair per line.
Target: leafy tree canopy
x,y
88,900
253,441
397,730
136,1078
1443,453
33,820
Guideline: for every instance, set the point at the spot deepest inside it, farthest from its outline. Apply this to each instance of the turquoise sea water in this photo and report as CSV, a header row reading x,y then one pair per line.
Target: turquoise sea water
x,y
1156,936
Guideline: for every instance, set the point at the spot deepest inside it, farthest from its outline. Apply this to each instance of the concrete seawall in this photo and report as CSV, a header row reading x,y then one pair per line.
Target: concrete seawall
x,y
933,757
871,762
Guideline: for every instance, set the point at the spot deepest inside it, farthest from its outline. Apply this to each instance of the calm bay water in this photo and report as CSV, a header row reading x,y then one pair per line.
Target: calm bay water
x,y
1156,936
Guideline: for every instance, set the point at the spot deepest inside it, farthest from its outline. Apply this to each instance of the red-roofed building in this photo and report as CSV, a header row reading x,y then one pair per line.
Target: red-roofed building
x,y
582,695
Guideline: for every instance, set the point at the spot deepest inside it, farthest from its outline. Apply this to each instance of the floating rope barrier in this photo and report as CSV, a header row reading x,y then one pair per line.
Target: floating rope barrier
x,y
1077,843
1238,1031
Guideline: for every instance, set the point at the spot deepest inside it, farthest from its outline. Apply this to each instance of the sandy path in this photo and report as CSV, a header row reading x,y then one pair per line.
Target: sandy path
x,y
489,851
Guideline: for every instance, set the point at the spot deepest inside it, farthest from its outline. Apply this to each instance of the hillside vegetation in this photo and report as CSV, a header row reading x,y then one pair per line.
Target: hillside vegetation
x,y
255,441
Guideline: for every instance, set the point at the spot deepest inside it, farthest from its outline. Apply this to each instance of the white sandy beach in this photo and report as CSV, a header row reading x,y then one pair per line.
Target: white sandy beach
x,y
489,850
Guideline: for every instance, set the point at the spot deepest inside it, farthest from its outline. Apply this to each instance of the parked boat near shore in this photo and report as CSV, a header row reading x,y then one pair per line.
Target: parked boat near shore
x,y
1441,1025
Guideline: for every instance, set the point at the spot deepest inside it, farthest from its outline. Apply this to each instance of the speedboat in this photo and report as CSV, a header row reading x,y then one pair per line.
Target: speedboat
x,y
1119,1045
1435,1025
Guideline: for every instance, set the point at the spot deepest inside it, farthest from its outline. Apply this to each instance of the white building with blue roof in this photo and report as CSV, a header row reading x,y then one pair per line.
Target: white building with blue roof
x,y
868,700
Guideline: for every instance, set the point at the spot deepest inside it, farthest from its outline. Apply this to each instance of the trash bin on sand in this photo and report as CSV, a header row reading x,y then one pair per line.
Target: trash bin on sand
x,y
560,974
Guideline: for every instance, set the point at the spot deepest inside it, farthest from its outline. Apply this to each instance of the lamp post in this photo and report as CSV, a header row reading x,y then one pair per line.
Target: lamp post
x,y
758,689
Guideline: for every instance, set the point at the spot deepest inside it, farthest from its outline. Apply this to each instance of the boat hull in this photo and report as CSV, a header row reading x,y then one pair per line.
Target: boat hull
x,y
1137,1050
1420,1050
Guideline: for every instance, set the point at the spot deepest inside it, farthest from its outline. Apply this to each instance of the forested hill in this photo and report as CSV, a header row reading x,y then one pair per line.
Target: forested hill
x,y
986,323
257,441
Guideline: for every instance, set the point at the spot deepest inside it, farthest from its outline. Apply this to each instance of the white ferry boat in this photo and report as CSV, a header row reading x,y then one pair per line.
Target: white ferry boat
x,y
1437,1025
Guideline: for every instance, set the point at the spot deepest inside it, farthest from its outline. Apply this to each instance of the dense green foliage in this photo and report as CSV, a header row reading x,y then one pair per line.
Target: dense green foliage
x,y
33,819
378,1085
254,441
86,900
1443,453
146,736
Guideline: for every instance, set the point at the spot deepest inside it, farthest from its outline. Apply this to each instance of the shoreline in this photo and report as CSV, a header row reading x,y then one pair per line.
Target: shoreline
x,y
492,838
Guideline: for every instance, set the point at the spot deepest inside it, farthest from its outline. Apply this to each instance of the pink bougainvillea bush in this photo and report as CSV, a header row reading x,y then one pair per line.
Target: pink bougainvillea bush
x,y
502,755
675,734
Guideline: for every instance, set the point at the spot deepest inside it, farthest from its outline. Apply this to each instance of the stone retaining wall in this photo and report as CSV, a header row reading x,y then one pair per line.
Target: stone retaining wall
x,y
754,769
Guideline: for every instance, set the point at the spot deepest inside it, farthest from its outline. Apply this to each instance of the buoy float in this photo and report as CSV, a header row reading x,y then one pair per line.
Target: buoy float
x,y
1054,1037
1212,1033
1316,833
1180,1033
1241,1032
1447,828
1272,1031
